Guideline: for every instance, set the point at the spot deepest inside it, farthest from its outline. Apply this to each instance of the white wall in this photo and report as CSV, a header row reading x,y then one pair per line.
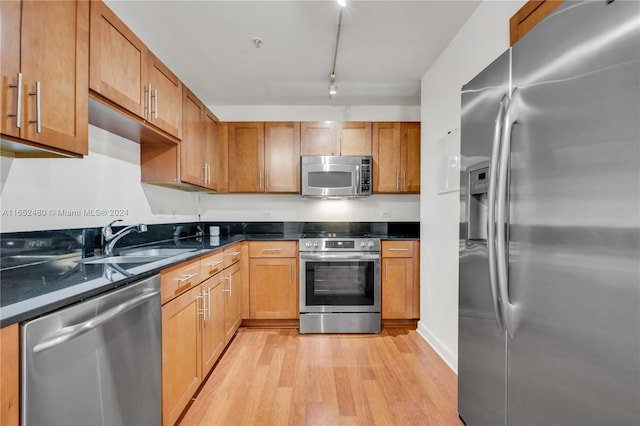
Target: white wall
x,y
483,38
38,194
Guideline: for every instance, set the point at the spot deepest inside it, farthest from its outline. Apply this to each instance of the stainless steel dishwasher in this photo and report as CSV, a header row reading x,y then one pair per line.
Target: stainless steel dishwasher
x,y
98,362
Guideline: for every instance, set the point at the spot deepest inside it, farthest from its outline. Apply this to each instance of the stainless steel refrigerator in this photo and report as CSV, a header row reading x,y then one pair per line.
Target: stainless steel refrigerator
x,y
549,320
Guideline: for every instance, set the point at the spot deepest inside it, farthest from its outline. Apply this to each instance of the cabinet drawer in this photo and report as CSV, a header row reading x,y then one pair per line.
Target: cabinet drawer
x,y
231,255
273,249
212,264
397,249
179,279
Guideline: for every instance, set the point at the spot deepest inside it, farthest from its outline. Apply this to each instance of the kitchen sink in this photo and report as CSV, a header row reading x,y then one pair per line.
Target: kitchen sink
x,y
120,259
155,251
138,255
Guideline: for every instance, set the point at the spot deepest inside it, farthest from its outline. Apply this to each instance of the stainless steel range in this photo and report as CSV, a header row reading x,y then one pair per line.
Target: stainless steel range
x,y
339,285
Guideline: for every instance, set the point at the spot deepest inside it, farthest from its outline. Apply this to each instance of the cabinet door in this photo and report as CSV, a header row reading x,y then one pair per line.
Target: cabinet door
x,y
213,332
54,53
118,61
386,157
192,147
282,157
233,301
411,157
181,343
397,288
10,375
10,18
354,138
165,98
318,138
273,287
212,150
246,157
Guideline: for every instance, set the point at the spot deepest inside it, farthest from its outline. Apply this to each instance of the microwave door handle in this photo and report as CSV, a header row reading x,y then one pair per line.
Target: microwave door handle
x,y
358,189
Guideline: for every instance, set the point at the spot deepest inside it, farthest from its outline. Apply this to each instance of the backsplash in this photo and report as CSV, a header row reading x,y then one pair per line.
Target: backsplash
x,y
13,245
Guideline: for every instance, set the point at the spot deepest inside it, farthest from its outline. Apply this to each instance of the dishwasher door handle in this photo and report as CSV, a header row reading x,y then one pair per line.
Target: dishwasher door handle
x,y
68,333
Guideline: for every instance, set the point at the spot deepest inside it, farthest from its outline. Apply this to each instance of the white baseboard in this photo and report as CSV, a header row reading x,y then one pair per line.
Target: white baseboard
x,y
448,356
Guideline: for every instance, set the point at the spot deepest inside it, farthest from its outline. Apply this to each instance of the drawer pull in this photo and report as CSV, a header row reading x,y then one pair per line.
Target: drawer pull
x,y
215,263
186,278
398,249
271,249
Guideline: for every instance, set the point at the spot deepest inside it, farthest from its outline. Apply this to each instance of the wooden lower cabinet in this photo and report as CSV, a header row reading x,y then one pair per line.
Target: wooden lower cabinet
x,y
197,324
273,280
400,280
233,300
213,330
181,343
10,375
273,288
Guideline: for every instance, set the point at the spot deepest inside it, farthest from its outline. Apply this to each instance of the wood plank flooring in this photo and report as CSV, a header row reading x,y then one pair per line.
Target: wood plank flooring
x,y
280,377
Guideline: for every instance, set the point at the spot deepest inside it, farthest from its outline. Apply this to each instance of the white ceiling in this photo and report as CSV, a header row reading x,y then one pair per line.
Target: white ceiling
x,y
385,47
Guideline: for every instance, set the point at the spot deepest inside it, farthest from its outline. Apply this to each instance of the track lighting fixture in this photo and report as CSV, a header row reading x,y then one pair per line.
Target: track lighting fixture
x,y
333,89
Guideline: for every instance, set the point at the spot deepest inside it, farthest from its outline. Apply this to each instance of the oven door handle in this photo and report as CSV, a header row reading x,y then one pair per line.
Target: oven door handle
x,y
341,256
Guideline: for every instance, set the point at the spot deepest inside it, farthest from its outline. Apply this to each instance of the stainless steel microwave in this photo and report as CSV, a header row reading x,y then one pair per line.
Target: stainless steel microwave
x,y
336,176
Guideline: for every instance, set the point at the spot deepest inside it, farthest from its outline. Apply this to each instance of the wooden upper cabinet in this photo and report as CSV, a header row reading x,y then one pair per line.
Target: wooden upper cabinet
x,y
386,157
318,138
118,63
45,47
528,17
212,151
124,72
164,98
410,137
396,157
193,146
354,138
246,157
282,157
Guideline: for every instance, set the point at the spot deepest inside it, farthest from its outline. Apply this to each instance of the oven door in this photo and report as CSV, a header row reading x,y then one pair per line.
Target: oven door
x,y
339,282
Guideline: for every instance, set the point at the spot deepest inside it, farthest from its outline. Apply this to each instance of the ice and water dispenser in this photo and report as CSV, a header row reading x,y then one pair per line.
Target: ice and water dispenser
x,y
478,203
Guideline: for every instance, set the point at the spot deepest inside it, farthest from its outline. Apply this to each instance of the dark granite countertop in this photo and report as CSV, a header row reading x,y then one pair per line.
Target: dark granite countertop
x,y
31,291
54,279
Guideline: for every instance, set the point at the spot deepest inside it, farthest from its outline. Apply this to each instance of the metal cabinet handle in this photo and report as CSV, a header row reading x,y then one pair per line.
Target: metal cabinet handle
x,y
230,285
209,300
260,181
68,333
292,273
234,253
147,100
508,309
38,120
271,249
203,311
155,102
386,271
398,179
215,263
404,174
186,278
18,114
204,173
398,249
491,217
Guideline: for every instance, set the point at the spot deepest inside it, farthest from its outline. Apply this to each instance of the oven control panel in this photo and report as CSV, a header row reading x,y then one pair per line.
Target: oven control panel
x,y
339,244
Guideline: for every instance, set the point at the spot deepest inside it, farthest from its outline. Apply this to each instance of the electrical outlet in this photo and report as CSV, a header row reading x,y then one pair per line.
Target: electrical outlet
x,y
385,213
266,214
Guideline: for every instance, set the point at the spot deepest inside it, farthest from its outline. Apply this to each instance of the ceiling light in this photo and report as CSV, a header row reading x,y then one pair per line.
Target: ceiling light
x,y
333,89
342,3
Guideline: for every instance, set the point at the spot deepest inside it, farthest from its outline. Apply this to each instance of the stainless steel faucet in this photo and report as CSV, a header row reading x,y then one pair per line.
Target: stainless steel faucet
x,y
110,239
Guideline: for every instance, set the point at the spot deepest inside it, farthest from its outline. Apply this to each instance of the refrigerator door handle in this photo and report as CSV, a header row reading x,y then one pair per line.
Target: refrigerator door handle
x,y
491,220
508,309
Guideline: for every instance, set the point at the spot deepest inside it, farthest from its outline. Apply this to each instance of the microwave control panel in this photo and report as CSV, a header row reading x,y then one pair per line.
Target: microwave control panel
x,y
365,175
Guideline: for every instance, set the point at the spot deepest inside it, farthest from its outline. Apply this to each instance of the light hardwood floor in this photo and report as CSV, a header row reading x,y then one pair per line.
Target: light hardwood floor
x,y
280,377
